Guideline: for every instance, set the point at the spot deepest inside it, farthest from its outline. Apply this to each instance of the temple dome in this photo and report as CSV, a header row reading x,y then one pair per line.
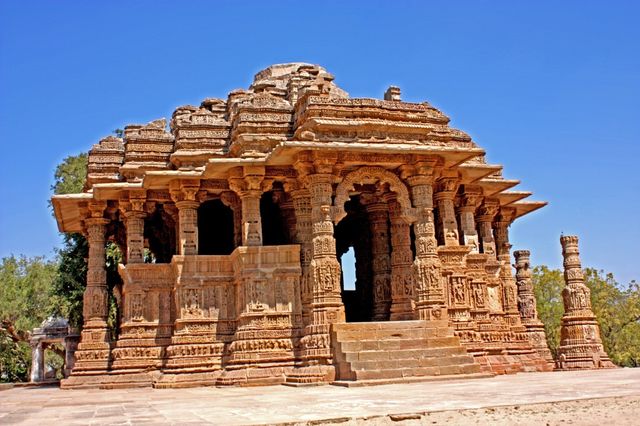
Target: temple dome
x,y
292,76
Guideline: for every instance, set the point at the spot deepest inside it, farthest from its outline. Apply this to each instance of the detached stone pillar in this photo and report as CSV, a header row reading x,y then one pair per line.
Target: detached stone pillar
x,y
445,200
486,213
580,343
379,222
428,283
527,306
94,349
37,361
467,209
509,290
401,261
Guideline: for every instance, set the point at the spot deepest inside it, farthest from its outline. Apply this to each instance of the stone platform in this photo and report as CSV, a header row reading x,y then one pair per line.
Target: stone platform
x,y
585,395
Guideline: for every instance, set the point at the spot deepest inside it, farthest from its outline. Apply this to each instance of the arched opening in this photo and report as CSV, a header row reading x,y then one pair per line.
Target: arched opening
x,y
160,236
274,229
215,228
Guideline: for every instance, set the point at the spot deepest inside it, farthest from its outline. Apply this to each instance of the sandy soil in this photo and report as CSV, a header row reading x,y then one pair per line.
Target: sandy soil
x,y
602,411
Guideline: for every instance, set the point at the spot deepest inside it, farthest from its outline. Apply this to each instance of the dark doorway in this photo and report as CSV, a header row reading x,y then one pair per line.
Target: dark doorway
x,y
215,228
160,235
274,231
353,249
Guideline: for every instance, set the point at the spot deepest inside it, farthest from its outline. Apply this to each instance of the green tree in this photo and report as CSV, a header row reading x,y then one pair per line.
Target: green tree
x,y
25,285
70,282
548,285
70,175
617,310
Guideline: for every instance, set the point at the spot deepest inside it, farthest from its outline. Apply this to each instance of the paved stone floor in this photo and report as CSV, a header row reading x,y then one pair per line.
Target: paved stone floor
x,y
282,404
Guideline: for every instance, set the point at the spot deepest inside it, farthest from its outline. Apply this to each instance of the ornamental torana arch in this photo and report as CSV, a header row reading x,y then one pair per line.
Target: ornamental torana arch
x,y
371,175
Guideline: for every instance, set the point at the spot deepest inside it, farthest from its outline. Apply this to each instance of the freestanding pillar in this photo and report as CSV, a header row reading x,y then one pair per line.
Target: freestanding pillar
x,y
580,343
37,361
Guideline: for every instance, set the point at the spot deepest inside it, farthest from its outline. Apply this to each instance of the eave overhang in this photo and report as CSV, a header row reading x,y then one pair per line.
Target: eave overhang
x,y
69,210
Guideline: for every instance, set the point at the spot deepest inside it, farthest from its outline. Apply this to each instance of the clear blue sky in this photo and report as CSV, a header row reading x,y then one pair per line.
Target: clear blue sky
x,y
551,90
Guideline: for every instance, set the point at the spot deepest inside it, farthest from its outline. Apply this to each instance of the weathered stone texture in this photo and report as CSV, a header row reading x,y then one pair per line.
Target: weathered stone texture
x,y
234,223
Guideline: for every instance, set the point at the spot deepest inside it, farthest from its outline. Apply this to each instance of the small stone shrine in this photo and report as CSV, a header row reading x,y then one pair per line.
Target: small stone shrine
x,y
53,330
233,223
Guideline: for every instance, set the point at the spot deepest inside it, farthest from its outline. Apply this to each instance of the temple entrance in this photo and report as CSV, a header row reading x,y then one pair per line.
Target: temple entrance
x,y
215,228
353,250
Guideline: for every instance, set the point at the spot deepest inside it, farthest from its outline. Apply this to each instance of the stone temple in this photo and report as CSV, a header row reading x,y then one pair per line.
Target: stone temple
x,y
233,223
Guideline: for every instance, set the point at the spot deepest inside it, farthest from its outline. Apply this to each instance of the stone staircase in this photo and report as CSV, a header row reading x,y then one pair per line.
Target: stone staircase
x,y
399,351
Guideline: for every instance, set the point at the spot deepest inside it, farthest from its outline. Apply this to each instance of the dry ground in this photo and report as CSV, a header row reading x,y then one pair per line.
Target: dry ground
x,y
605,397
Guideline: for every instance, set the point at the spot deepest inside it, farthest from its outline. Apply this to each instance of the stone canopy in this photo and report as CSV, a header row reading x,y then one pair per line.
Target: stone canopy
x,y
233,222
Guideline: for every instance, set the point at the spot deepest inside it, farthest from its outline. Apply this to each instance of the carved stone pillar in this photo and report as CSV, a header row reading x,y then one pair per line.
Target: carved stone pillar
x,y
501,233
324,274
289,215
231,200
486,213
188,219
172,210
428,283
183,194
302,206
134,221
468,204
580,342
527,306
446,208
247,183
402,292
94,349
379,222
37,361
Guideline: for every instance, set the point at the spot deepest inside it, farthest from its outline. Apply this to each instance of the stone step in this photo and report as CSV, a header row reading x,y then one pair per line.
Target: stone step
x,y
398,350
388,325
410,363
397,344
376,345
397,330
412,379
390,334
415,372
395,354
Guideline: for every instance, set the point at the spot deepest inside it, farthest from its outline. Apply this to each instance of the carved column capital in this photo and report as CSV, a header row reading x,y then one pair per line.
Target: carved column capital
x,y
446,187
184,189
444,197
487,211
